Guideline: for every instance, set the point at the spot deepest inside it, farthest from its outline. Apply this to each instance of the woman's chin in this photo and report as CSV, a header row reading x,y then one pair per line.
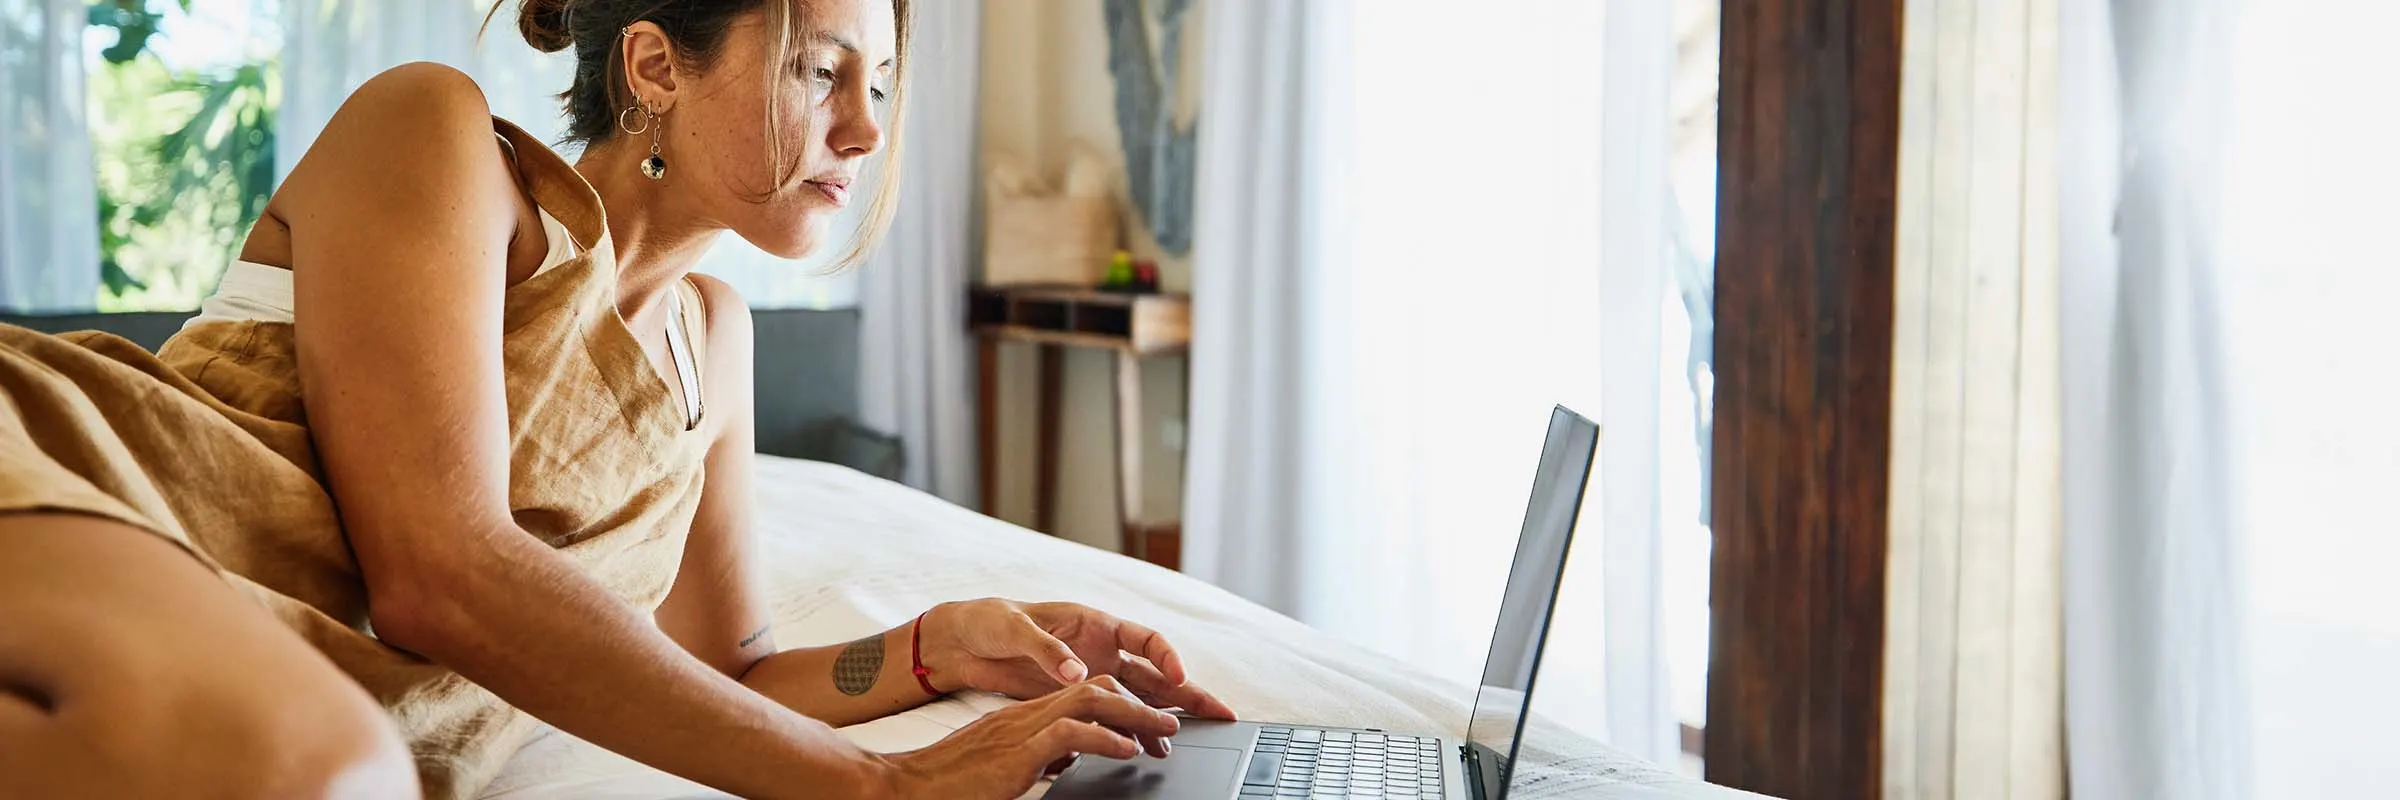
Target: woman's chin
x,y
809,237
794,252
790,247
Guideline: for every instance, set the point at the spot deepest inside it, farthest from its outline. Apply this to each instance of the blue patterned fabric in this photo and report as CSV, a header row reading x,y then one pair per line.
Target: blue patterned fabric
x,y
1159,155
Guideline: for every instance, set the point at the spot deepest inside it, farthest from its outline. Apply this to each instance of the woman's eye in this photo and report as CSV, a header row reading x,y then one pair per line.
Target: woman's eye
x,y
877,94
824,75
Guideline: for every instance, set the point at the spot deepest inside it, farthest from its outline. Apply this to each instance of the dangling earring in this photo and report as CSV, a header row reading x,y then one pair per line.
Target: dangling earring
x,y
654,167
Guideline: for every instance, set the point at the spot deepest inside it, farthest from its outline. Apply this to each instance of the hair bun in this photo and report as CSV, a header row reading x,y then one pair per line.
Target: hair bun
x,y
544,23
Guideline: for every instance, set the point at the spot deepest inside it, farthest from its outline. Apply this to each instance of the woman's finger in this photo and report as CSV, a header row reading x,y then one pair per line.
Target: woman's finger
x,y
1106,701
1064,738
1055,657
1152,743
1134,638
1147,682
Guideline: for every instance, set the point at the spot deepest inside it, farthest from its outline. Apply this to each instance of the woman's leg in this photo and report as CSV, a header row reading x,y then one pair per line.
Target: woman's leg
x,y
128,670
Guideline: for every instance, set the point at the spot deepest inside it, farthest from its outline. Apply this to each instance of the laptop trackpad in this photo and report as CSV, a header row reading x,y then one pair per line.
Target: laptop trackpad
x,y
1191,773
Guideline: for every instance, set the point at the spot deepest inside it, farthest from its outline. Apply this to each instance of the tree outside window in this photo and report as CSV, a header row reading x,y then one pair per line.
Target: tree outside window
x,y
182,102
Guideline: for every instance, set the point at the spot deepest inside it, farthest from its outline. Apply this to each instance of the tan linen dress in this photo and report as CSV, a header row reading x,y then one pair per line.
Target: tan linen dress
x,y
207,444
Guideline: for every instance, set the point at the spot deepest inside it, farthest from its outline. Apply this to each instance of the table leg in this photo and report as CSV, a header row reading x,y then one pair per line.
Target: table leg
x,y
987,422
1129,455
1045,490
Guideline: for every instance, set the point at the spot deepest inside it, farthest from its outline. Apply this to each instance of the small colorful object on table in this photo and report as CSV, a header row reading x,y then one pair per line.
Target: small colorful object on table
x,y
1129,276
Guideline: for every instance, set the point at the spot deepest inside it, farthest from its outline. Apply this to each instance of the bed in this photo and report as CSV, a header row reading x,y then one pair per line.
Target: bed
x,y
851,554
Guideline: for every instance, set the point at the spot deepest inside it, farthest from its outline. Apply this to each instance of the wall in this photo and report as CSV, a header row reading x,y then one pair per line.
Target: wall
x,y
1047,91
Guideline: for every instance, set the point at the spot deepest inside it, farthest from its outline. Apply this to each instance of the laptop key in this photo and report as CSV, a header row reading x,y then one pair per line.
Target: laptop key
x,y
1263,767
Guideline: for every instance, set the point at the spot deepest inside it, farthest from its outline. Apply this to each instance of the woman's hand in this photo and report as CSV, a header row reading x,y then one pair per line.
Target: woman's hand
x,y
1027,650
1002,754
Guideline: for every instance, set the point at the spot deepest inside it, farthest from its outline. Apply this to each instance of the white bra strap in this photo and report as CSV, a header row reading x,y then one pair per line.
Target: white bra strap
x,y
687,372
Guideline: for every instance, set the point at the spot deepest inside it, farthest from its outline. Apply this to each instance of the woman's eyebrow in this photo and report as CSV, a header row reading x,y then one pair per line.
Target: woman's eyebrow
x,y
831,38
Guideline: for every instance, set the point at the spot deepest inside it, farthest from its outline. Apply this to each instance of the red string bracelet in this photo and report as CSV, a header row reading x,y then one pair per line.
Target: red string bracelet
x,y
916,656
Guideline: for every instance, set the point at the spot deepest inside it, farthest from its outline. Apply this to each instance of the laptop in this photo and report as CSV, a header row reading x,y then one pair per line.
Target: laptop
x,y
1216,760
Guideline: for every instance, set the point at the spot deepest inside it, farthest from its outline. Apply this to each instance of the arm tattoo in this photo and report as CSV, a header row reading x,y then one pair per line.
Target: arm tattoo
x,y
859,665
754,637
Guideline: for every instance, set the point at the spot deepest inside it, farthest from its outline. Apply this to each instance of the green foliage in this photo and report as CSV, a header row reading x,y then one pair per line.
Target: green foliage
x,y
135,24
186,163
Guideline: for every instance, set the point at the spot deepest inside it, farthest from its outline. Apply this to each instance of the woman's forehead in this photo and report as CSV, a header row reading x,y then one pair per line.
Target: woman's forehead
x,y
868,28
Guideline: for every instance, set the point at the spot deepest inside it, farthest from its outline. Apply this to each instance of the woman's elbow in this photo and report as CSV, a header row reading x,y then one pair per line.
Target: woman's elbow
x,y
421,616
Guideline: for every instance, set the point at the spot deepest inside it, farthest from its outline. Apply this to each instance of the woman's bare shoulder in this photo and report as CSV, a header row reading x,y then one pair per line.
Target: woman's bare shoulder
x,y
416,138
727,378
727,318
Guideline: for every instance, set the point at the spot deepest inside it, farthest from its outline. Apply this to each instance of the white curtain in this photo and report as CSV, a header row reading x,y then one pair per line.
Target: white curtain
x,y
1273,71
2157,704
1971,687
913,365
1397,271
2312,273
49,218
332,46
1636,260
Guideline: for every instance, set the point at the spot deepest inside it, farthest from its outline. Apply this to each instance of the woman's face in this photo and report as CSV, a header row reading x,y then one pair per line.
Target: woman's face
x,y
830,110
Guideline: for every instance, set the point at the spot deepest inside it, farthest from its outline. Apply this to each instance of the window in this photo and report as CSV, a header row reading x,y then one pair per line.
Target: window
x,y
182,98
185,101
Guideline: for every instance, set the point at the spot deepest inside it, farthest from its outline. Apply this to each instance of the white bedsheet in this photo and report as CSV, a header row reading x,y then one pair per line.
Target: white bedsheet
x,y
849,555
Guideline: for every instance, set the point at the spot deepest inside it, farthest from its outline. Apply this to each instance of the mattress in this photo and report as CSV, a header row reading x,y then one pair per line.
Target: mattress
x,y
849,555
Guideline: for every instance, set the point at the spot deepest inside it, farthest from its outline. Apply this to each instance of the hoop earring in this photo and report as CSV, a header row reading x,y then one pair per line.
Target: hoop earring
x,y
625,120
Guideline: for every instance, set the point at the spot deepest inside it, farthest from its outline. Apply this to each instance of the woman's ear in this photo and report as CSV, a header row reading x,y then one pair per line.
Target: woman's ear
x,y
649,58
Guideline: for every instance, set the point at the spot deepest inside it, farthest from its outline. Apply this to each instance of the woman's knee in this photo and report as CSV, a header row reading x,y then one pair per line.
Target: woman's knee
x,y
208,736
149,675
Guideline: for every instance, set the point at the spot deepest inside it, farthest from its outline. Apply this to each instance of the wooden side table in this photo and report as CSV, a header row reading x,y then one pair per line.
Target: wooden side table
x,y
1130,326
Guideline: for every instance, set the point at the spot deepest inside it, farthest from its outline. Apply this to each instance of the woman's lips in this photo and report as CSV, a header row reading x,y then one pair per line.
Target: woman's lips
x,y
837,194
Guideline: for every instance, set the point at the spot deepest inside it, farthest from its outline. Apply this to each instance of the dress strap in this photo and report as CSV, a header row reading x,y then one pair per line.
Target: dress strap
x,y
555,186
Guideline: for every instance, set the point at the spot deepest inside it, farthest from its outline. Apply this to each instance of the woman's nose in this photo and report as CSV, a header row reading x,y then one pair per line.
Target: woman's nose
x,y
856,131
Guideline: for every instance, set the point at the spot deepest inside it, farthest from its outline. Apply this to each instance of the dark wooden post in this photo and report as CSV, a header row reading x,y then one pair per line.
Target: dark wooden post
x,y
1808,163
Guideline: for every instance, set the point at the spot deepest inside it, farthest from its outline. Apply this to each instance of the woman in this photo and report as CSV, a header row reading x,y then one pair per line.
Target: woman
x,y
518,476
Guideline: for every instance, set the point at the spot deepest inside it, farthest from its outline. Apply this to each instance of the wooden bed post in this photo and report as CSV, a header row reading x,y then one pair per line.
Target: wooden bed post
x,y
1808,162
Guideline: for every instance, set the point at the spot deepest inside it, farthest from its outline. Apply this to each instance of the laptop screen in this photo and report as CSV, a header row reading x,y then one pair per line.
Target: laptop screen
x,y
1500,704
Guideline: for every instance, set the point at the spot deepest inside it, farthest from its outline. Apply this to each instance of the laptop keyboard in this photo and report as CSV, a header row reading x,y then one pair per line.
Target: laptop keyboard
x,y
1307,762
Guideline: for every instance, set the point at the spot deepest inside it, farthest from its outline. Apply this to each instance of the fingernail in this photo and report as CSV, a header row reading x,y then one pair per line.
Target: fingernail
x,y
1165,748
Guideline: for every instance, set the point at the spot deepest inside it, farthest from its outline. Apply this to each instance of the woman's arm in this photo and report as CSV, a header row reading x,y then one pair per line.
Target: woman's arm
x,y
401,217
718,609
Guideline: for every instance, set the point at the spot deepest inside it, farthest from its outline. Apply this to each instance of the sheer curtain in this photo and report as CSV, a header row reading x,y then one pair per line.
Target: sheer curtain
x,y
332,46
1396,272
2157,697
2308,215
1972,679
913,365
1638,257
49,229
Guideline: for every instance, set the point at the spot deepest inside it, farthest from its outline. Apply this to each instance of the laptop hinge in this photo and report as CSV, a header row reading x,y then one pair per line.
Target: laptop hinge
x,y
1474,776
